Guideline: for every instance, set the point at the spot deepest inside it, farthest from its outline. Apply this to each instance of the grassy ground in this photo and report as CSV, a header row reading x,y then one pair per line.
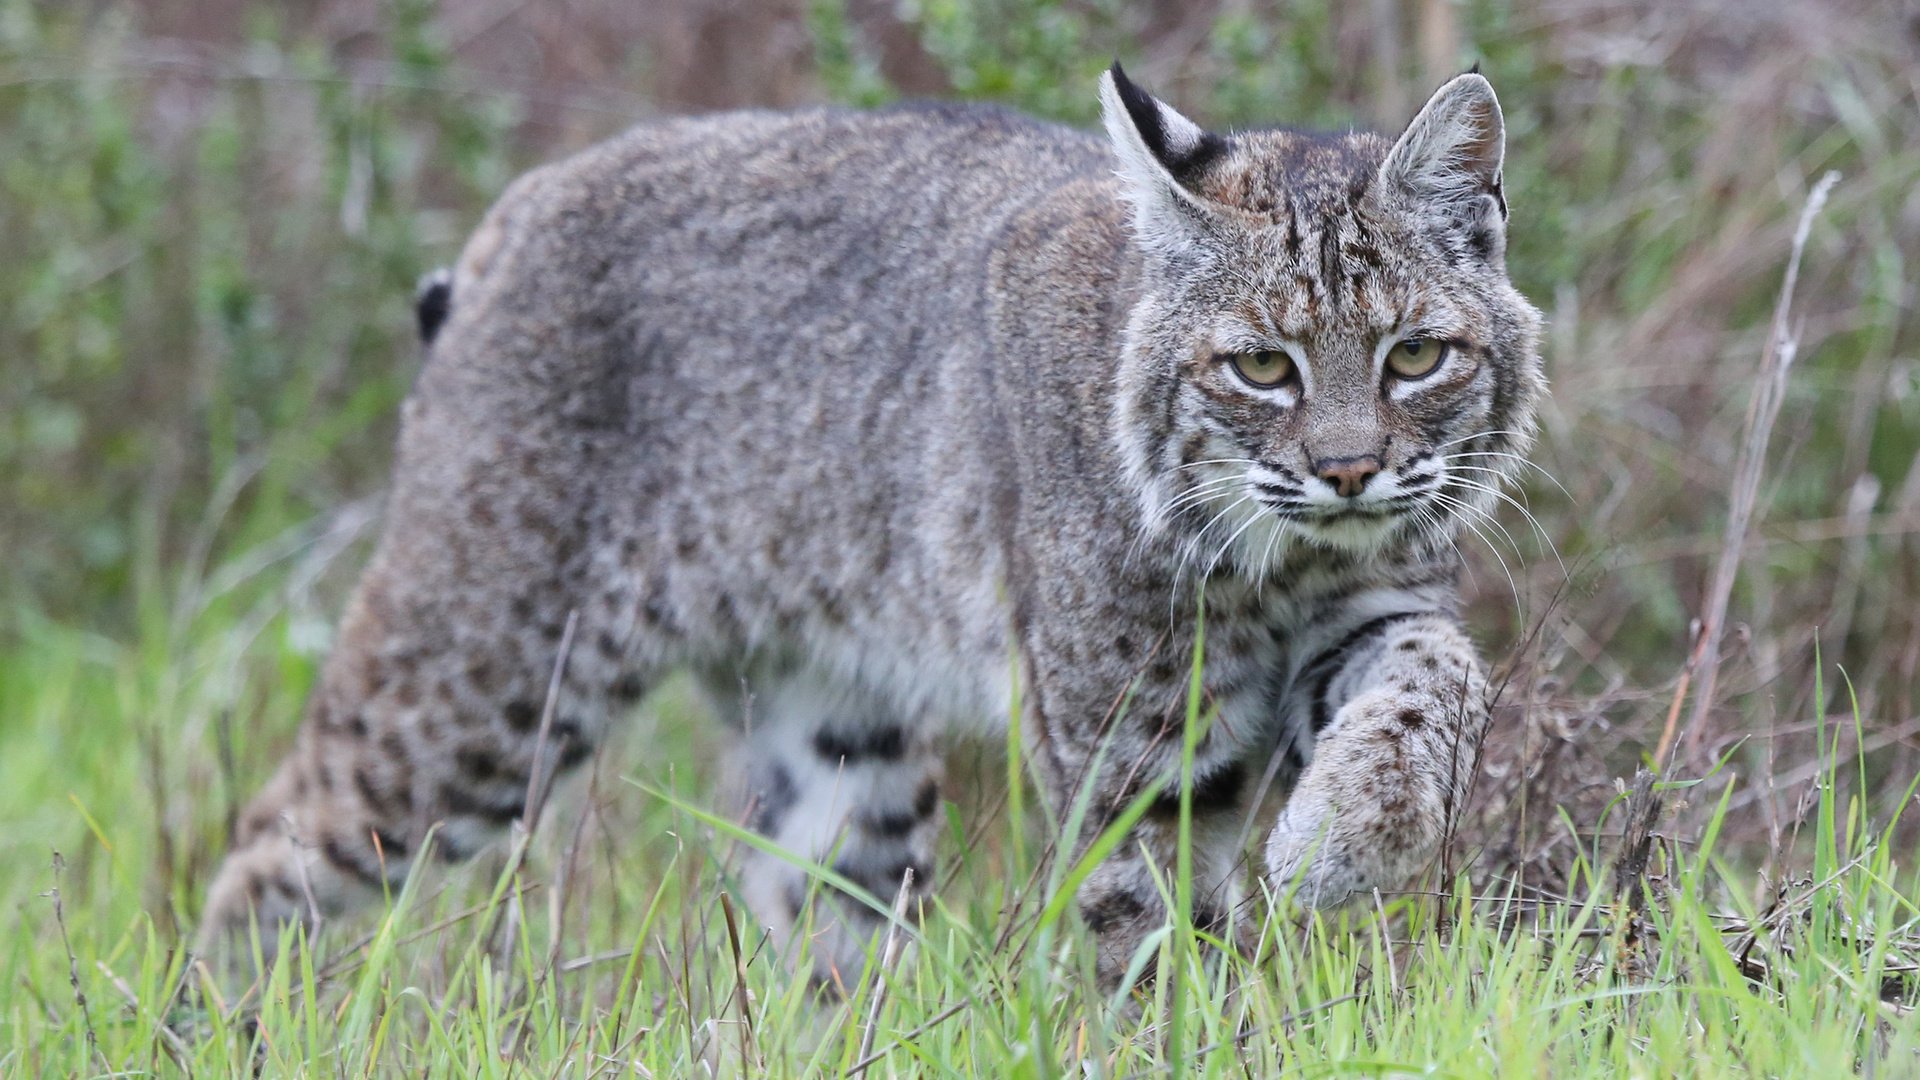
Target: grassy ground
x,y
611,947
213,224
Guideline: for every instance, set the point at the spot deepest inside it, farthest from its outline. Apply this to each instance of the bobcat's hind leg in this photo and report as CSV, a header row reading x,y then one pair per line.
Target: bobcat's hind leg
x,y
429,710
836,779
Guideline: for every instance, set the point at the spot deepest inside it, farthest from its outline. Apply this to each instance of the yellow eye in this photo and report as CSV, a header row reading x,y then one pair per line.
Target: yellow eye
x,y
1415,358
1268,367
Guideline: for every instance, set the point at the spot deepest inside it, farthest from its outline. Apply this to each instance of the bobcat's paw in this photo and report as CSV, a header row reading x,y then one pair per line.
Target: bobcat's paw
x,y
1372,807
1304,859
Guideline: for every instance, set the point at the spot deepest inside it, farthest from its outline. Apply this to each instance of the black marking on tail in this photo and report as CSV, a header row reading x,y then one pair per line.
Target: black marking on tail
x,y
884,743
346,857
897,822
432,303
775,797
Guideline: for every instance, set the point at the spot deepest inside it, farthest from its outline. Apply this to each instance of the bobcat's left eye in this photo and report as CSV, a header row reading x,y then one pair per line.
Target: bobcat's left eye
x,y
1415,358
1268,367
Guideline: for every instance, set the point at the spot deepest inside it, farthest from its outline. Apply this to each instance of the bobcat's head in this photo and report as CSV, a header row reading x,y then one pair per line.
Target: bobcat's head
x,y
1327,348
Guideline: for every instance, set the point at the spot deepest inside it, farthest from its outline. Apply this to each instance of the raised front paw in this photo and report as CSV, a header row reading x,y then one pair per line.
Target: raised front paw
x,y
1373,806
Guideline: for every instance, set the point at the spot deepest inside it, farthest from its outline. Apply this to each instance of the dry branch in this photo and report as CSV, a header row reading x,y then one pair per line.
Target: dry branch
x,y
1783,342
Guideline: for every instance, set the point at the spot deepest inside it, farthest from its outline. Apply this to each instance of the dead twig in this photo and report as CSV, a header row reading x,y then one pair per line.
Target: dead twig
x,y
936,1020
73,966
169,1040
540,778
742,998
889,956
1630,871
1764,408
537,788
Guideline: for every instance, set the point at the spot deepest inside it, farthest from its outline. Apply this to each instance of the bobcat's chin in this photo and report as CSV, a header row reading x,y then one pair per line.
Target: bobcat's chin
x,y
1355,531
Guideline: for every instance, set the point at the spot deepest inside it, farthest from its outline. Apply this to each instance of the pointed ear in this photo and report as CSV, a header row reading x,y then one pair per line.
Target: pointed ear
x,y
1161,153
1449,160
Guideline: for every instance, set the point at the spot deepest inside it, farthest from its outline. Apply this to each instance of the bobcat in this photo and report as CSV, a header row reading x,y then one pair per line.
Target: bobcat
x,y
883,422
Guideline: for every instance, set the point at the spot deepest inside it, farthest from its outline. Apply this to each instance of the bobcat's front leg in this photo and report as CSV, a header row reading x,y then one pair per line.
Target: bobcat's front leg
x,y
1398,717
1122,901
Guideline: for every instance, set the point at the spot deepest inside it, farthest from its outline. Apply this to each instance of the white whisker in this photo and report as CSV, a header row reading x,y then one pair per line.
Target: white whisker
x,y
1199,492
1545,540
1192,548
1464,519
1481,435
1427,521
1480,513
1217,461
1266,554
1534,465
1244,526
1203,490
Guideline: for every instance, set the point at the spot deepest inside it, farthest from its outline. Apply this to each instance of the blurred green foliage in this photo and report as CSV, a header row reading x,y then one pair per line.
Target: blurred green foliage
x,y
210,254
207,292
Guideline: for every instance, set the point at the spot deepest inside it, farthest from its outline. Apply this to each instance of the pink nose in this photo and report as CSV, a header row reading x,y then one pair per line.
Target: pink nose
x,y
1348,476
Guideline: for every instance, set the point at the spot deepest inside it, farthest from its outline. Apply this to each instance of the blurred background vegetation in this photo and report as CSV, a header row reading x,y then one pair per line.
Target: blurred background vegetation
x,y
212,214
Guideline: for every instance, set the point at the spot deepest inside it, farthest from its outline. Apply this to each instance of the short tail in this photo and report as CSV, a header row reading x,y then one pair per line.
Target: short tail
x,y
432,303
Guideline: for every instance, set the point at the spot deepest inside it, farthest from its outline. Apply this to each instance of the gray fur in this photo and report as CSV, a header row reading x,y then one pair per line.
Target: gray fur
x,y
857,406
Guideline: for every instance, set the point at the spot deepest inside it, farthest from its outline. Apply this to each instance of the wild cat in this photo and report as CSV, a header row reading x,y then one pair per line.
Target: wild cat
x,y
881,422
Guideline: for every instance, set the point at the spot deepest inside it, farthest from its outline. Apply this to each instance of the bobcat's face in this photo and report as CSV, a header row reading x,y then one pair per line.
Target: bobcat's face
x,y
1337,400
1328,349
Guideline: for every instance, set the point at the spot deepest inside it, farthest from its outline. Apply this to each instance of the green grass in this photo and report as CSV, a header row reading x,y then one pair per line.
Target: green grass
x,y
1714,977
204,337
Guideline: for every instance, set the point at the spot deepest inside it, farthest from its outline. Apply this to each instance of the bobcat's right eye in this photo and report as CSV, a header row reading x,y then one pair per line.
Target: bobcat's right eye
x,y
1268,367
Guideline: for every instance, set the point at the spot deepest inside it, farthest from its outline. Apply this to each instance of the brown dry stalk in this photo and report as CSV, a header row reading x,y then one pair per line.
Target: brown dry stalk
x,y
936,1020
1643,807
73,966
1762,410
503,931
889,956
742,997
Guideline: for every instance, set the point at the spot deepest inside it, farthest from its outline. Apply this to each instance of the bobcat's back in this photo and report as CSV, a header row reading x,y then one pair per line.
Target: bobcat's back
x,y
780,333
681,247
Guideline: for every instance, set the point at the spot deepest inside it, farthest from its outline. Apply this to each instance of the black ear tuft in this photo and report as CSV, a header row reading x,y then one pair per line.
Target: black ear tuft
x,y
1143,109
432,303
1186,159
1475,69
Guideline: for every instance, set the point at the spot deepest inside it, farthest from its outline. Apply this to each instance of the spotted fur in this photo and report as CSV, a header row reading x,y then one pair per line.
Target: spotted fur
x,y
842,410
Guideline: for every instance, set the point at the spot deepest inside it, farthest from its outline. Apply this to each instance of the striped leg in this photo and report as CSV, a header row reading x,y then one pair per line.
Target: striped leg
x,y
836,779
1121,901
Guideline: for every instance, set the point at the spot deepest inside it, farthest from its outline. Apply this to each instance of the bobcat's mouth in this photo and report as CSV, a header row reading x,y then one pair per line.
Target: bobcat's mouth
x,y
1358,527
1349,527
